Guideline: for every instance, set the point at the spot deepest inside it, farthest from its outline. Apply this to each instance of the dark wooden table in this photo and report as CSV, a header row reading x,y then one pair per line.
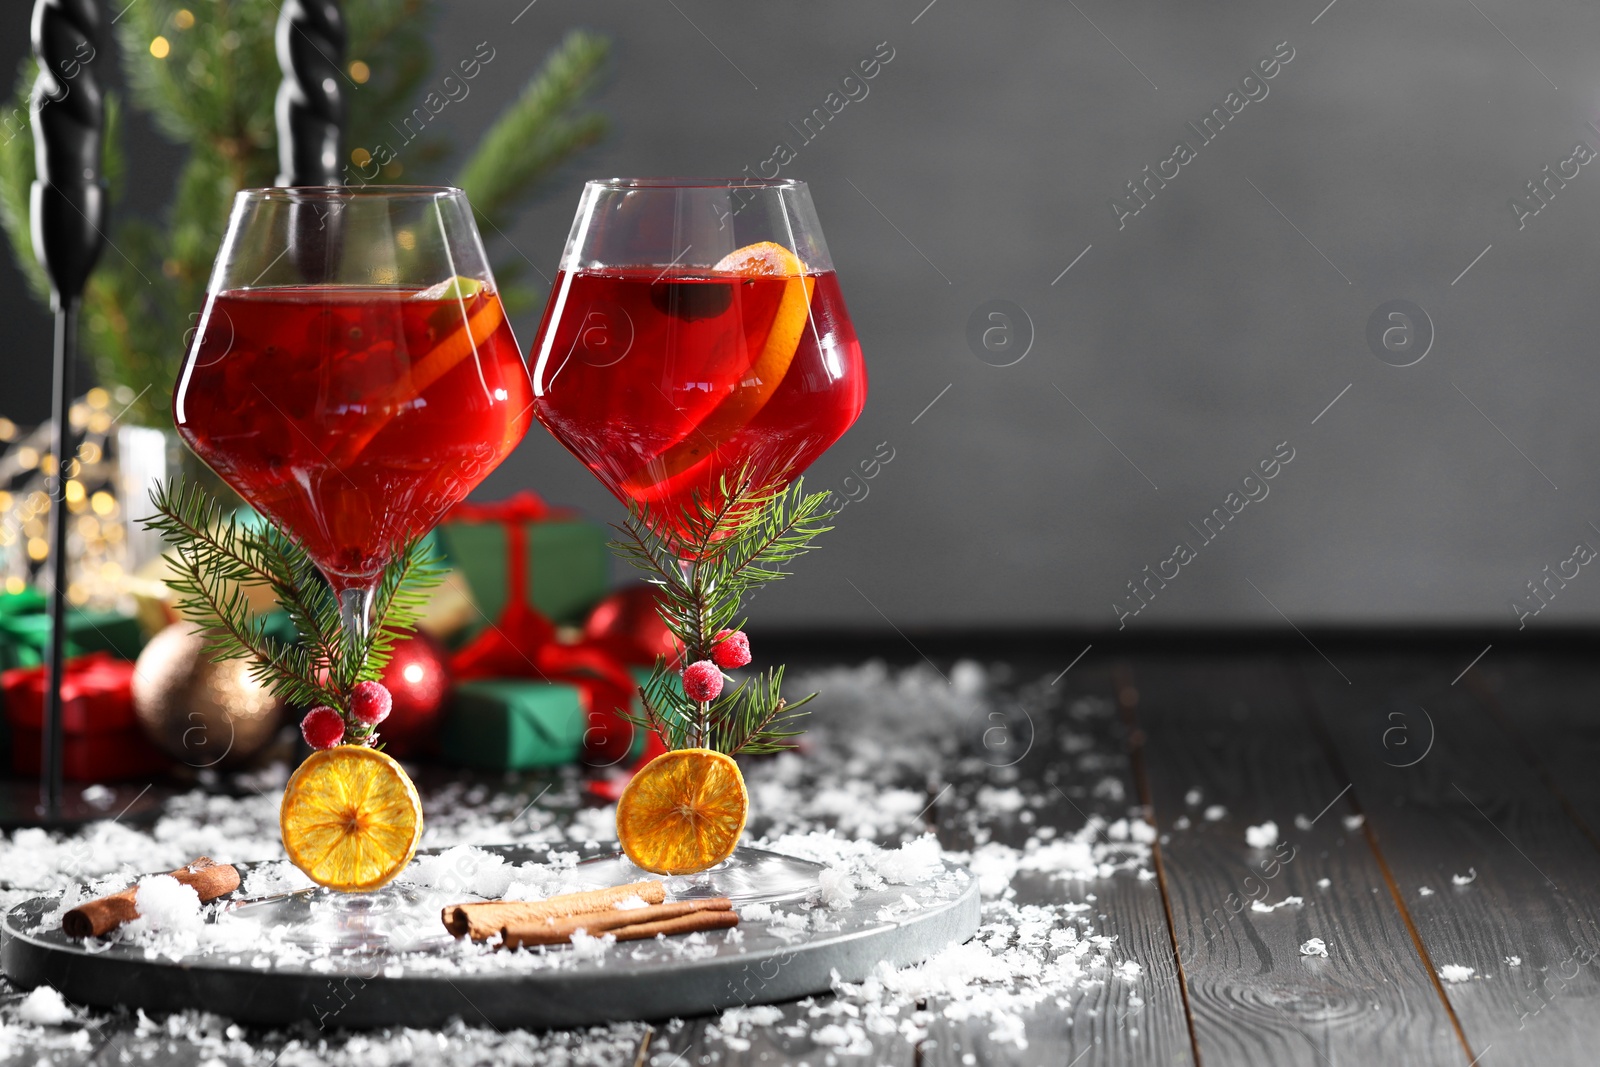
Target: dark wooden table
x,y
1434,811
1430,815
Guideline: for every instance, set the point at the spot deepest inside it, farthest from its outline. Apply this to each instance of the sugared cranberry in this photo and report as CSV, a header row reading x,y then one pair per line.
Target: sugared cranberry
x,y
731,650
322,727
702,681
370,702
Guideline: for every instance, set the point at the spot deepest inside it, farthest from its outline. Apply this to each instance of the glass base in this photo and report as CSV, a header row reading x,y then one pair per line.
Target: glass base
x,y
749,876
388,920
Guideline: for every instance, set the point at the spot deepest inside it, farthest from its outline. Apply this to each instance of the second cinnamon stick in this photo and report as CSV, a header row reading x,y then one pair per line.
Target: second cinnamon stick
x,y
482,921
559,930
692,923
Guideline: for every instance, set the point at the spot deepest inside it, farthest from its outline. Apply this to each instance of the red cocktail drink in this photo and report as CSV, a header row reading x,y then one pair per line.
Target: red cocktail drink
x,y
353,417
663,382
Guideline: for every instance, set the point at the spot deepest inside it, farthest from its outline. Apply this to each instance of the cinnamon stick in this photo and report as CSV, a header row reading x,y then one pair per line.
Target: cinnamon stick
x,y
482,921
683,924
558,930
96,917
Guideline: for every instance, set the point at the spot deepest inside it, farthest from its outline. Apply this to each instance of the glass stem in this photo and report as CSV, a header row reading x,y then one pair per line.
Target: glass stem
x,y
702,716
355,617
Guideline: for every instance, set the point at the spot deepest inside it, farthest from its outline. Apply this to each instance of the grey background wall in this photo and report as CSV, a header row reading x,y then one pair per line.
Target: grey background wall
x,y
1171,353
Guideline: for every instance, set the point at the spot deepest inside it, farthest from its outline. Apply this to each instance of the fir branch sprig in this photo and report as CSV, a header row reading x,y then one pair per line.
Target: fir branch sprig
x,y
705,561
216,560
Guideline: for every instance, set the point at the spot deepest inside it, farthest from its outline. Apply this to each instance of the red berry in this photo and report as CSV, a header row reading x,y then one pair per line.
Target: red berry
x,y
322,727
370,702
702,681
731,650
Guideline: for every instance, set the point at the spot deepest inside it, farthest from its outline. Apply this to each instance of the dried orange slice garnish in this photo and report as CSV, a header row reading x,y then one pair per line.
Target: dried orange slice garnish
x,y
683,812
351,818
756,386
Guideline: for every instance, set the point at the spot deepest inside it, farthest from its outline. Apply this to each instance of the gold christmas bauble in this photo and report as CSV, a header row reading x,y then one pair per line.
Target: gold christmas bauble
x,y
201,712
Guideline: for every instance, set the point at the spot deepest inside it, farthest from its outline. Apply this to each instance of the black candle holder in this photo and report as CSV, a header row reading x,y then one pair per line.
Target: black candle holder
x,y
68,208
311,104
310,114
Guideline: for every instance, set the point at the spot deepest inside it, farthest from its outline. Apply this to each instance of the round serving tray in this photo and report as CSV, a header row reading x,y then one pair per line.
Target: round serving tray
x,y
764,963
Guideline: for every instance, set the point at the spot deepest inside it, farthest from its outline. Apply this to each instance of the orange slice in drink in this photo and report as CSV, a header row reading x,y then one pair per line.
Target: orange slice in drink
x,y
434,364
457,346
756,386
683,812
351,818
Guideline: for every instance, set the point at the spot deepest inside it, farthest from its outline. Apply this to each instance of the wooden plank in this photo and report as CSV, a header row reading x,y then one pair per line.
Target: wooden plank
x,y
1549,704
1077,761
1457,799
1230,733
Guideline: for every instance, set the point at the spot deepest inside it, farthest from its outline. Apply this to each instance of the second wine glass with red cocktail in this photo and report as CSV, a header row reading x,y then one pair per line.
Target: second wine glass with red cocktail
x,y
697,357
696,331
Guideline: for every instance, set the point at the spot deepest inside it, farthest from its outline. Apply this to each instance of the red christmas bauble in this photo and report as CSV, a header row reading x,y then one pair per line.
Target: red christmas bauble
x,y
418,680
626,625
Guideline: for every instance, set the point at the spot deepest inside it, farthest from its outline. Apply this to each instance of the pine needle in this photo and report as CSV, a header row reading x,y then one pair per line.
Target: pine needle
x,y
216,560
738,541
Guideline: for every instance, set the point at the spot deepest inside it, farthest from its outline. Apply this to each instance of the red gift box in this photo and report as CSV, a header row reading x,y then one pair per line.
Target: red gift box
x,y
96,696
91,757
101,738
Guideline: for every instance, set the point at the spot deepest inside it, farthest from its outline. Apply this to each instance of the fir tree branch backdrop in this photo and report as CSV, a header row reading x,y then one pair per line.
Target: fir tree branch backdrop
x,y
207,75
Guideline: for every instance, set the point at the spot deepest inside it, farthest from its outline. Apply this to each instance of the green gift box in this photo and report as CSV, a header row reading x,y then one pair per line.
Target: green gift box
x,y
512,724
25,631
565,563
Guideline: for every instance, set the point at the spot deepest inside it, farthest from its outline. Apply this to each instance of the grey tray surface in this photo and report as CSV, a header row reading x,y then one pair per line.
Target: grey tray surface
x,y
897,924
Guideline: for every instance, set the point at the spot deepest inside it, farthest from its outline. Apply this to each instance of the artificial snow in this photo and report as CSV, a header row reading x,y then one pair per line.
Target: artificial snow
x,y
1353,822
463,870
1465,879
992,801
1263,836
1216,813
1256,905
1424,891
166,905
1324,883
835,888
1514,961
1314,947
271,879
585,947
1455,972
44,1007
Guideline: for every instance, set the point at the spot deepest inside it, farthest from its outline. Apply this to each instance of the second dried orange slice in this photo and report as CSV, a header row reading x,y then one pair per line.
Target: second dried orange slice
x,y
683,812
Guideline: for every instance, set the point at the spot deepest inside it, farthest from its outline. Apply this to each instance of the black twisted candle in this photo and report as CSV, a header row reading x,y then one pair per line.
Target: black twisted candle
x,y
311,105
68,215
68,113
